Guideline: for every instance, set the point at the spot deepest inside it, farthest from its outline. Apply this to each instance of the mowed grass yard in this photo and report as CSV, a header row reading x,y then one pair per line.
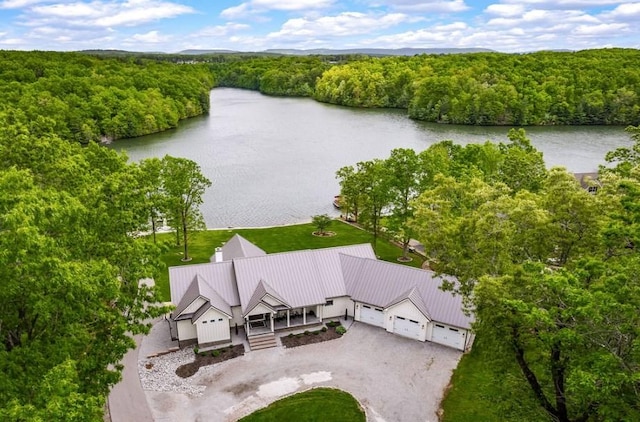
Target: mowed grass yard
x,y
317,405
273,239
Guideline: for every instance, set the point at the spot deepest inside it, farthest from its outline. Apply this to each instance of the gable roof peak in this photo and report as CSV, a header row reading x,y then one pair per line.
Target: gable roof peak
x,y
239,247
262,289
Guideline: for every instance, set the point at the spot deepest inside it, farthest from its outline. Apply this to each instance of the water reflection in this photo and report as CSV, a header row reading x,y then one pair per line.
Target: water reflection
x,y
273,160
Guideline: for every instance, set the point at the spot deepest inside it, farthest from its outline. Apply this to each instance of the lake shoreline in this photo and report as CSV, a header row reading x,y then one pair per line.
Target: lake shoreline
x,y
272,160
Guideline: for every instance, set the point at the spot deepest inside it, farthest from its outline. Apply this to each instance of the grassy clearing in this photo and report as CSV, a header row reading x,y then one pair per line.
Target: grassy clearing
x,y
276,239
485,390
317,405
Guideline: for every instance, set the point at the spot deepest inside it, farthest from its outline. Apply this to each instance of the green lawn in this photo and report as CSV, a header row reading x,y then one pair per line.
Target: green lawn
x,y
317,405
276,239
484,390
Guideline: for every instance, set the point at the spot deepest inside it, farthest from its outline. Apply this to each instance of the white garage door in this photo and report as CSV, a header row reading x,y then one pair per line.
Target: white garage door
x,y
372,315
406,327
449,336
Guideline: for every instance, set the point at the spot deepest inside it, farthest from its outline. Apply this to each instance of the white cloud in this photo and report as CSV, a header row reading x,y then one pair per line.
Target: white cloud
x,y
221,30
604,29
12,41
151,37
19,4
256,7
435,6
627,12
105,13
566,4
236,12
505,10
344,24
291,4
545,18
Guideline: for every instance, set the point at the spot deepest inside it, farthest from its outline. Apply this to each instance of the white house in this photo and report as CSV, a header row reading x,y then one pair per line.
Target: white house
x,y
263,293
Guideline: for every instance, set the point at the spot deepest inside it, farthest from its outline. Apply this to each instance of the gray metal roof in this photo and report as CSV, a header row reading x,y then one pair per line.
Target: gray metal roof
x,y
382,283
199,287
219,276
301,278
330,268
191,294
262,289
239,247
294,275
308,278
414,297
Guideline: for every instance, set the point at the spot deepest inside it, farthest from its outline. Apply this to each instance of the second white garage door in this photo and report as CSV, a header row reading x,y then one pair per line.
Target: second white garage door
x,y
406,327
372,315
449,336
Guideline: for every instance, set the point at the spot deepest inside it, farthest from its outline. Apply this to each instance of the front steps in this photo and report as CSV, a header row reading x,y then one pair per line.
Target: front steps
x,y
262,341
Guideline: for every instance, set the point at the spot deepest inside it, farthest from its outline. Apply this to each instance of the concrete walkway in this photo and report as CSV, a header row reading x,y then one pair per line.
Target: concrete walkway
x,y
127,401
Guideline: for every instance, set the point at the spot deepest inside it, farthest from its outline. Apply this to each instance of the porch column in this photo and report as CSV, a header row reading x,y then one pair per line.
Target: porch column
x,y
271,317
319,312
288,318
304,316
246,324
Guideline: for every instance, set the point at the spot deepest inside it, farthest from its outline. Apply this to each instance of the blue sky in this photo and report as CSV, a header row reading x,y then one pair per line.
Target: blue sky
x,y
256,25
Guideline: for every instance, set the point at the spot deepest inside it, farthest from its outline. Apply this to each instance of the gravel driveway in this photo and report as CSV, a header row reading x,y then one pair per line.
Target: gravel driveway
x,y
394,378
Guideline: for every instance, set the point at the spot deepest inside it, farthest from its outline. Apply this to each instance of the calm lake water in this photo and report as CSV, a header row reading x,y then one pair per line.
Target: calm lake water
x,y
273,160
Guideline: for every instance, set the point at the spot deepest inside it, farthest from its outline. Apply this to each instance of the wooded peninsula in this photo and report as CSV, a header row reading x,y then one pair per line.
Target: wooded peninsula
x,y
85,97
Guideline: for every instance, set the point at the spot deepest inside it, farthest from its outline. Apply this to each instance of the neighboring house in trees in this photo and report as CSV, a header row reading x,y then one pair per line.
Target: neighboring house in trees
x,y
265,293
588,181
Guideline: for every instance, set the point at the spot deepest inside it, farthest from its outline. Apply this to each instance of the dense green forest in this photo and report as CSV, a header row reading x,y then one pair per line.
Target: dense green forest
x,y
71,266
550,270
85,98
591,87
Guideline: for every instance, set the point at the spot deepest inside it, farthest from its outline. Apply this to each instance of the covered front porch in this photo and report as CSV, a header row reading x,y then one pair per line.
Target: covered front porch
x,y
282,319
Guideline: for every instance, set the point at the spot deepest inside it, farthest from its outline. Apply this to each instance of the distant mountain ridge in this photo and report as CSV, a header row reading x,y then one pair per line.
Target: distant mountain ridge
x,y
366,51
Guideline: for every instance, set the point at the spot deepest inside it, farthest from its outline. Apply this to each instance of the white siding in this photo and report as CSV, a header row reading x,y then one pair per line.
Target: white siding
x,y
271,300
236,311
213,326
337,309
260,309
194,306
186,330
408,310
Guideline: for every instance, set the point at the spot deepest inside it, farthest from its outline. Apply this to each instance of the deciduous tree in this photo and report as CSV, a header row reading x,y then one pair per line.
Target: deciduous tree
x,y
183,186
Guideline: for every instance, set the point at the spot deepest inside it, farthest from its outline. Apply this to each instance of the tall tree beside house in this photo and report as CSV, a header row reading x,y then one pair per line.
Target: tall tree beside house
x,y
403,166
151,172
375,183
350,191
552,275
183,185
69,274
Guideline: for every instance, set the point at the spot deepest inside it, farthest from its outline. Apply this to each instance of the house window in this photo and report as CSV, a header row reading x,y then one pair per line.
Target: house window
x,y
592,189
329,302
204,322
213,320
220,319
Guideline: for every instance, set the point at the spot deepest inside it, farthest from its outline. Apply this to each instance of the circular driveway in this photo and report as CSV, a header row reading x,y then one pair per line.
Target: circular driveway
x,y
394,378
